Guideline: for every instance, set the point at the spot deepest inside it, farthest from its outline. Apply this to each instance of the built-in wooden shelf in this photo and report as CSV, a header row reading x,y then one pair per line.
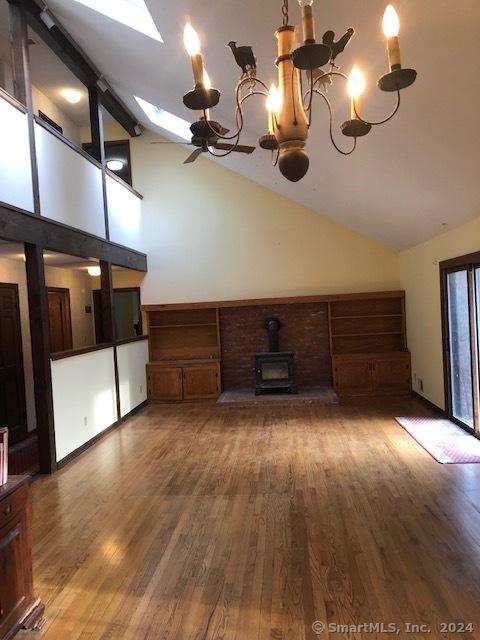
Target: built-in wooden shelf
x,y
361,335
382,315
183,326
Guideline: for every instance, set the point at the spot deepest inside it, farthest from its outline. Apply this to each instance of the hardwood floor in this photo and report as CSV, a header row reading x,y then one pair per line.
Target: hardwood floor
x,y
201,522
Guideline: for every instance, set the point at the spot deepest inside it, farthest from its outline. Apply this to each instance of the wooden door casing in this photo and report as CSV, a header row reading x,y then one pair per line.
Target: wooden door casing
x,y
60,319
12,382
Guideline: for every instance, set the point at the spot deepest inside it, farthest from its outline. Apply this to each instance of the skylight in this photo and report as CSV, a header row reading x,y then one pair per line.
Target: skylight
x,y
166,120
132,13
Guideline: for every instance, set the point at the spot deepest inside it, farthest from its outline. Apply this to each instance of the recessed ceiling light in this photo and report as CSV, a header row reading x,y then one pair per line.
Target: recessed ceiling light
x,y
115,165
166,120
71,95
94,271
132,13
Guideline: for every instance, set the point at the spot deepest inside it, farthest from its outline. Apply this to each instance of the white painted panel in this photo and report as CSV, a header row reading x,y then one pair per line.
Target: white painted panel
x,y
70,186
124,215
84,399
15,167
132,359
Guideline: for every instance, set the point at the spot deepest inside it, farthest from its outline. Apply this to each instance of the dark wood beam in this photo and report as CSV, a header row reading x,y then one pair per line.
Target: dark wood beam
x,y
22,84
98,146
78,62
40,340
20,226
108,319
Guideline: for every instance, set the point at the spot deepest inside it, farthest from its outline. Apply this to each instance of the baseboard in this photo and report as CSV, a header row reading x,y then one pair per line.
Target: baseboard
x,y
429,404
90,443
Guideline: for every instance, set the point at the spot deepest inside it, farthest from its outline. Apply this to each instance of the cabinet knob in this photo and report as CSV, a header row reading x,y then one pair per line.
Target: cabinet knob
x,y
8,510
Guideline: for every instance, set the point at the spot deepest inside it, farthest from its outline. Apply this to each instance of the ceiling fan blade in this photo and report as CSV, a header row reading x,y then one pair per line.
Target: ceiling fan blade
x,y
169,142
193,156
238,148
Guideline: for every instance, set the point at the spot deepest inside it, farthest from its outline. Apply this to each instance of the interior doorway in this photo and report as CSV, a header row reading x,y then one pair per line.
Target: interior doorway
x,y
13,412
461,314
60,319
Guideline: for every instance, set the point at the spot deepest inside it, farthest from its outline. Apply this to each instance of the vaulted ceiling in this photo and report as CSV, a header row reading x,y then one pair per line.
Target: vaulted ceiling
x,y
408,181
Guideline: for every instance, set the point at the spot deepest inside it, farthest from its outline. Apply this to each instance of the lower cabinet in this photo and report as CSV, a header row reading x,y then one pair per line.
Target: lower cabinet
x,y
18,607
183,382
372,374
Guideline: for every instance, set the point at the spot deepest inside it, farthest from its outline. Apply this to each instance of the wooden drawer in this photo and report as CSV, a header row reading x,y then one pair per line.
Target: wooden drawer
x,y
13,504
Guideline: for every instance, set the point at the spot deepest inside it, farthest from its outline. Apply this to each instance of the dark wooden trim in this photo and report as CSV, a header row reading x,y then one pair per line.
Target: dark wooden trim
x,y
123,183
429,404
98,147
461,261
108,319
18,225
128,340
44,118
23,85
71,353
21,364
445,341
270,301
79,64
118,423
66,141
40,340
12,101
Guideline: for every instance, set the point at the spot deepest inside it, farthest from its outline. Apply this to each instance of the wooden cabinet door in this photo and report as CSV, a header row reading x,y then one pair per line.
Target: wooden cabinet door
x,y
353,377
14,572
164,383
392,376
201,382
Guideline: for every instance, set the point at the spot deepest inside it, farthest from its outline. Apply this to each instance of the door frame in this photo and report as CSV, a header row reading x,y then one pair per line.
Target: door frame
x,y
67,313
468,263
23,397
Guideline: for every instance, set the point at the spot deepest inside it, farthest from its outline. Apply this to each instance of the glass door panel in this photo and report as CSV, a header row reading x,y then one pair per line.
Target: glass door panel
x,y
461,375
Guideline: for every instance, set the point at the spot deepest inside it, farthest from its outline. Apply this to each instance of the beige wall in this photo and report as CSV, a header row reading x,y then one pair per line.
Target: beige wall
x,y
211,234
79,283
421,279
83,333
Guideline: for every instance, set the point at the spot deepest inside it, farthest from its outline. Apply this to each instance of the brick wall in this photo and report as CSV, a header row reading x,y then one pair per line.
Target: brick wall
x,y
304,331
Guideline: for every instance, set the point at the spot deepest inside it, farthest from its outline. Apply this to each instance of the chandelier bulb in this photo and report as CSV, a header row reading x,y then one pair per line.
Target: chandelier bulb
x,y
391,22
305,3
356,83
191,40
207,83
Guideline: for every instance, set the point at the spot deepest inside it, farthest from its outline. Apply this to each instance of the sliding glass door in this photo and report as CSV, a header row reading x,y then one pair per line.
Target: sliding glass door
x,y
461,313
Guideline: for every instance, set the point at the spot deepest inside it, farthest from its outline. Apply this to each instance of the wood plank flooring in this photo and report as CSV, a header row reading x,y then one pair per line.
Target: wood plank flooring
x,y
198,522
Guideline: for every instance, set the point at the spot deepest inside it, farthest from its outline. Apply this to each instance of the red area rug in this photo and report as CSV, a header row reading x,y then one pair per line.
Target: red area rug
x,y
444,440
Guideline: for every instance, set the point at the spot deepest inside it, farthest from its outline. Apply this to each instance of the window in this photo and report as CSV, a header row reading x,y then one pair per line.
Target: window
x,y
461,316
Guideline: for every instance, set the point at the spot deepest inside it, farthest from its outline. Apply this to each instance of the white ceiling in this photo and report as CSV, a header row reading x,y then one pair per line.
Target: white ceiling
x,y
407,181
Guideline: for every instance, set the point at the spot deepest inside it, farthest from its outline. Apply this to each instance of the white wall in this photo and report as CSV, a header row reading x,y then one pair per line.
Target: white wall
x,y
132,359
420,276
70,186
15,168
211,234
124,215
49,108
84,399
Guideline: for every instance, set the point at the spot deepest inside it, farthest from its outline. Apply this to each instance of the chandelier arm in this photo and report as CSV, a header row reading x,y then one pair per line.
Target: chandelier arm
x,y
310,100
376,124
327,101
239,112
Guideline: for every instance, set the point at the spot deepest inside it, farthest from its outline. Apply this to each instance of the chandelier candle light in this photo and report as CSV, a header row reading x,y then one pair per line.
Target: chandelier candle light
x,y
290,107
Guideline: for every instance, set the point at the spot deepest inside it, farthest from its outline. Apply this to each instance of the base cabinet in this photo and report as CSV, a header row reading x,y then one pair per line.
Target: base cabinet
x,y
18,607
183,382
372,374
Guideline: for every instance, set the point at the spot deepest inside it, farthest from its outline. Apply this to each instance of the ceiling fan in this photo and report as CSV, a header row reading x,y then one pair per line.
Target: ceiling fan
x,y
205,137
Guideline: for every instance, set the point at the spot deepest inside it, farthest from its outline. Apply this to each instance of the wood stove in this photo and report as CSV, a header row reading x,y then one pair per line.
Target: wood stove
x,y
274,370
